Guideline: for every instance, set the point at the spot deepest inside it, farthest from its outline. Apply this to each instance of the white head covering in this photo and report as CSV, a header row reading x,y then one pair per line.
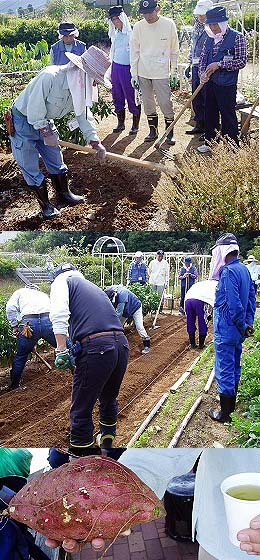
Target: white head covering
x,y
219,254
202,7
126,29
81,88
218,36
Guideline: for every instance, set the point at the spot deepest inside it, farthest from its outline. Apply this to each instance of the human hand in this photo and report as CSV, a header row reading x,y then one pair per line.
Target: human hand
x,y
49,136
72,546
15,330
100,149
135,82
63,360
249,331
250,538
187,72
211,68
204,78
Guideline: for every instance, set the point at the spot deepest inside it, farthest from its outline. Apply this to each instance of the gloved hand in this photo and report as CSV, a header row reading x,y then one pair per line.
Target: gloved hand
x,y
173,82
63,360
49,136
187,72
249,331
100,149
204,78
135,82
15,330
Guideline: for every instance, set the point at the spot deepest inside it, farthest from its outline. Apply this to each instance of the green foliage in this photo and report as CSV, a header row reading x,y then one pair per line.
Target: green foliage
x,y
59,9
249,19
22,58
7,267
7,341
247,423
149,298
5,104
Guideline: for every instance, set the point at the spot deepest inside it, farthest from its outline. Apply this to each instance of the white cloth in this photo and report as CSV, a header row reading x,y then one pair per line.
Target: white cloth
x,y
26,301
205,290
217,36
156,467
126,29
59,296
254,270
158,272
217,262
81,87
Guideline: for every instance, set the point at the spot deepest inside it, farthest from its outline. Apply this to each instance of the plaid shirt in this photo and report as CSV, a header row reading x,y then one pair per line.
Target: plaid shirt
x,y
239,60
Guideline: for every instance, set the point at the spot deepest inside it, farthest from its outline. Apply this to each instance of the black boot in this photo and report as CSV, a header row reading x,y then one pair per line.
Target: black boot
x,y
135,125
107,433
147,345
41,193
15,383
227,405
121,121
170,139
64,194
202,338
192,340
197,129
153,124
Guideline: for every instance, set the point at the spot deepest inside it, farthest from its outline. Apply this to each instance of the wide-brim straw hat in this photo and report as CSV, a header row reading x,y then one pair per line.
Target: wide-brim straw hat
x,y
93,61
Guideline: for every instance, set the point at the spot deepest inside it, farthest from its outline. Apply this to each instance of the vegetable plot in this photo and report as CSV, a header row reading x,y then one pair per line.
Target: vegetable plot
x,y
93,497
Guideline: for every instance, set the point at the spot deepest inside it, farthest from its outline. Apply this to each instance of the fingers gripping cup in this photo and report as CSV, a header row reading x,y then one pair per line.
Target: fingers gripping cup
x,y
241,494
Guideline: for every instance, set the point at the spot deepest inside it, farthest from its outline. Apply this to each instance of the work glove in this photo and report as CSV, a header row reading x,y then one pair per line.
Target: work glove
x,y
63,360
187,72
135,82
249,331
100,149
173,82
15,330
49,136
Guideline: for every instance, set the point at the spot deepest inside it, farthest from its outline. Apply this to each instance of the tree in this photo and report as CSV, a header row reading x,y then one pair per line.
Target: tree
x,y
30,8
58,9
20,11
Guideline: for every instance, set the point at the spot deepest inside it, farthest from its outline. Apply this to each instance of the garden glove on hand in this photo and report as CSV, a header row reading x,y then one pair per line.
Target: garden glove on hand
x,y
173,79
187,72
100,149
135,82
63,360
249,331
49,136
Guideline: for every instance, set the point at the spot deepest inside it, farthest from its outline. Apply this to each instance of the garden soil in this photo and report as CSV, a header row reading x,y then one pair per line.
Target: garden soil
x,y
37,415
117,195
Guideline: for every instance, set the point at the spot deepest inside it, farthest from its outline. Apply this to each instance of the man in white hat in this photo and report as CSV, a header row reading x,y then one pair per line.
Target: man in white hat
x,y
67,42
254,270
199,37
52,94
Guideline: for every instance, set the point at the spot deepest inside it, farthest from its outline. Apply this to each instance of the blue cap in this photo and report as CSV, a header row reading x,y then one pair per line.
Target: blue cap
x,y
67,28
147,6
187,259
216,15
64,267
115,11
226,239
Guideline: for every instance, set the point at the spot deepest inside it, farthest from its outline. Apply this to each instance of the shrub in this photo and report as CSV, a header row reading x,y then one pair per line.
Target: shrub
x,y
149,298
7,341
7,267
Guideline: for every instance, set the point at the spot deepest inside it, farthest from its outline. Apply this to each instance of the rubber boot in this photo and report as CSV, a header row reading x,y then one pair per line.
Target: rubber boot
x,y
199,128
202,338
170,139
135,125
64,194
14,383
192,340
153,124
227,405
41,193
147,345
107,433
121,121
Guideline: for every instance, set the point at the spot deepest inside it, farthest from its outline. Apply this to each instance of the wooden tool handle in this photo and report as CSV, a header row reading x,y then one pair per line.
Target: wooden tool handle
x,y
173,123
118,157
246,123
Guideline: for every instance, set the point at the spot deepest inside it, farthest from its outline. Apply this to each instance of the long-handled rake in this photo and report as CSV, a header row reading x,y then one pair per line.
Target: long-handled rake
x,y
173,123
154,326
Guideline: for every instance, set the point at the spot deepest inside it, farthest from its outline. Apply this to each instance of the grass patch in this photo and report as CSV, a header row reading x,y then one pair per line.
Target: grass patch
x,y
9,285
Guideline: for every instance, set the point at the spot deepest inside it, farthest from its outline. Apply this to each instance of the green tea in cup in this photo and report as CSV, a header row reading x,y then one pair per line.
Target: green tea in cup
x,y
245,492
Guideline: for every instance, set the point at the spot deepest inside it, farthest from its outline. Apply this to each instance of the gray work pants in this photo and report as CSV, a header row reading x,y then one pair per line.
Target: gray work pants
x,y
162,91
203,555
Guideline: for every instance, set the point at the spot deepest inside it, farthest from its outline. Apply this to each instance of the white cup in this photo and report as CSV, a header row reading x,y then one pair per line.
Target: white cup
x,y
239,513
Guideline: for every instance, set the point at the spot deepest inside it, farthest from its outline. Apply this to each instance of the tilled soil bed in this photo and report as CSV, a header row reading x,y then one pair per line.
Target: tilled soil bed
x,y
37,415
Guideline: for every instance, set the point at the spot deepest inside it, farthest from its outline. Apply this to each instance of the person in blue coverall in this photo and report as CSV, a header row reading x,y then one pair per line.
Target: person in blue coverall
x,y
188,275
233,317
67,42
138,271
127,306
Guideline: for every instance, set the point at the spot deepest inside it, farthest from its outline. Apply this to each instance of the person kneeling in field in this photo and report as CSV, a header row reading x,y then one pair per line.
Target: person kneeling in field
x,y
128,306
53,93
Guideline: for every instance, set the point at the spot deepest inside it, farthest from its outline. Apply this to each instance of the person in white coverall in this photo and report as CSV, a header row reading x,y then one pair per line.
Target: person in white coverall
x,y
156,467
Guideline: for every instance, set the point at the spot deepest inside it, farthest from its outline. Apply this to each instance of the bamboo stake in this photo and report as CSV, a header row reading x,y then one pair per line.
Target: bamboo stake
x,y
173,123
148,419
248,119
184,423
210,381
118,157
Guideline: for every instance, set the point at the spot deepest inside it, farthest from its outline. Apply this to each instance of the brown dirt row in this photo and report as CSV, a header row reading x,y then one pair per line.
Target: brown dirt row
x,y
38,415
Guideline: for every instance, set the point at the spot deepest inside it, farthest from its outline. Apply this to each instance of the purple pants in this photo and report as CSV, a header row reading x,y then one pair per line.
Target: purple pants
x,y
122,90
195,308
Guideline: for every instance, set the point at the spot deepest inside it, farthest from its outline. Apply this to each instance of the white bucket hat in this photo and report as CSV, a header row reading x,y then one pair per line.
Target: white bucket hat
x,y
202,7
93,62
251,258
138,254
